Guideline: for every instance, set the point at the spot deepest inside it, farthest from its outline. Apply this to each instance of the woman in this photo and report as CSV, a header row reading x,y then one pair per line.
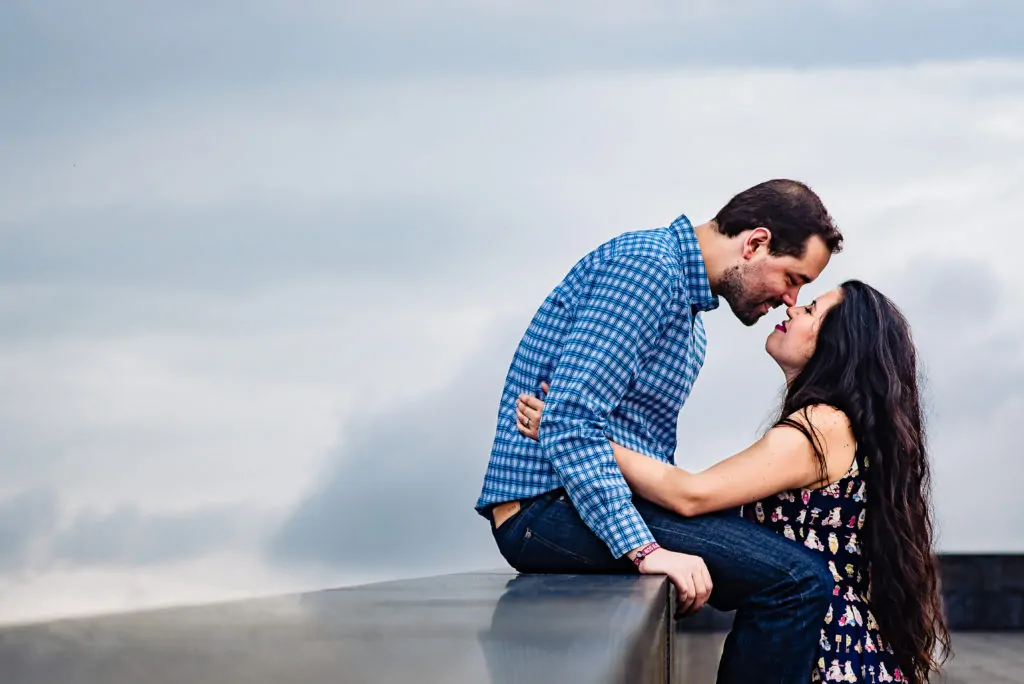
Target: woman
x,y
843,471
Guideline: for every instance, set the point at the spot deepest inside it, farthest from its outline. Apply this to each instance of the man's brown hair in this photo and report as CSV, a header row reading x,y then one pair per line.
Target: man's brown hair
x,y
789,209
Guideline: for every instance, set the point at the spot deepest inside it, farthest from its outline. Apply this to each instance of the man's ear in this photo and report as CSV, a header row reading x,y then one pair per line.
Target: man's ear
x,y
757,243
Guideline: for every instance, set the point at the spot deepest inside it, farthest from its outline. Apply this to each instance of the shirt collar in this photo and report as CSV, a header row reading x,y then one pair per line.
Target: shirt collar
x,y
695,273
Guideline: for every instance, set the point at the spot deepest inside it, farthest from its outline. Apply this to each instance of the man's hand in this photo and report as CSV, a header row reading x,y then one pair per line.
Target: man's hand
x,y
689,574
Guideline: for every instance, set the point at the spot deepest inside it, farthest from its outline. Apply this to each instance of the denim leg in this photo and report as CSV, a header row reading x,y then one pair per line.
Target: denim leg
x,y
779,590
548,536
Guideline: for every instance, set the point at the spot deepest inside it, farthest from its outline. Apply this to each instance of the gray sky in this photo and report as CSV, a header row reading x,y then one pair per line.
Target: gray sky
x,y
262,267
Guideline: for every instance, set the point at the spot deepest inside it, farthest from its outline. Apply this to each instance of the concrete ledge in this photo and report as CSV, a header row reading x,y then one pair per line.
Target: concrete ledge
x,y
478,627
474,627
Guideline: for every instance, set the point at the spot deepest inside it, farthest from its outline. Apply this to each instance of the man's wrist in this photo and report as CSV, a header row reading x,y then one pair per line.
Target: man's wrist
x,y
638,554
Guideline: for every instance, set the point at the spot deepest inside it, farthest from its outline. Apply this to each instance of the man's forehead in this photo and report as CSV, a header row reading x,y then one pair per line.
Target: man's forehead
x,y
814,260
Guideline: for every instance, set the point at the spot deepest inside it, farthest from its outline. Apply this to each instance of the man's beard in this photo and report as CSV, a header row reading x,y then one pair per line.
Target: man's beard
x,y
746,304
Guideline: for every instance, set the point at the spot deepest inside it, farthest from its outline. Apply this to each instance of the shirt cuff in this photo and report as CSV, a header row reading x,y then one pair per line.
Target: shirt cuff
x,y
625,532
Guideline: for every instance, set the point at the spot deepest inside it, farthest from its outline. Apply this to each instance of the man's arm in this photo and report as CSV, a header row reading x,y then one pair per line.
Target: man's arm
x,y
616,323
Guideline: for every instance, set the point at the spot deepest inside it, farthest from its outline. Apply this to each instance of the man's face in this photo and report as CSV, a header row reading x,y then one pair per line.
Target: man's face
x,y
760,281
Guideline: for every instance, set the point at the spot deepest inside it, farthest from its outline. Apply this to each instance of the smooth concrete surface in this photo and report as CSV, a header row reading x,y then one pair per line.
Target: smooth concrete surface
x,y
478,627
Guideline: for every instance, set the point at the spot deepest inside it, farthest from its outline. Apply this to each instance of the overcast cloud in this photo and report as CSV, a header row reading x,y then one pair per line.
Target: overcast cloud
x,y
262,269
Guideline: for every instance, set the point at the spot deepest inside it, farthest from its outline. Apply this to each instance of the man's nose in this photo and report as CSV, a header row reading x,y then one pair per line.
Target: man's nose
x,y
790,297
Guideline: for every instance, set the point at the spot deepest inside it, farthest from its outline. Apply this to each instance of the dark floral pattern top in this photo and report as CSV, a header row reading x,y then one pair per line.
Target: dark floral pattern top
x,y
830,521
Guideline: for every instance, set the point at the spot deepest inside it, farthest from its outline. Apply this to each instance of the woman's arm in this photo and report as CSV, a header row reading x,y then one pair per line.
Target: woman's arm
x,y
782,459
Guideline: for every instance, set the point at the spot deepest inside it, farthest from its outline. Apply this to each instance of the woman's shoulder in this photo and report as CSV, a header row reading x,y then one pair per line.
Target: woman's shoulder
x,y
831,432
824,418
829,426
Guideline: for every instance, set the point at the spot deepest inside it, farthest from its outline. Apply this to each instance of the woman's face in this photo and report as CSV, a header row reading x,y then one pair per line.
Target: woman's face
x,y
793,341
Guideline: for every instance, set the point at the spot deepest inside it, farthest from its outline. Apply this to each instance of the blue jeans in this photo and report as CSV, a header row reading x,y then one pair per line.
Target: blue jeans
x,y
779,589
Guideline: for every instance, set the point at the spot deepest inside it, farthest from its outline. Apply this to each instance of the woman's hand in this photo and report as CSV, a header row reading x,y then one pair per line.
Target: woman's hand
x,y
528,410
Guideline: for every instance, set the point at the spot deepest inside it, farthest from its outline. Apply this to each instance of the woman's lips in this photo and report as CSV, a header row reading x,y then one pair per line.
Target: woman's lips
x,y
781,327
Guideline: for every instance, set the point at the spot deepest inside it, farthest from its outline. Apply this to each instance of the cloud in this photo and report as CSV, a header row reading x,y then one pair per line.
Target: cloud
x,y
26,518
116,48
38,533
237,246
208,397
232,293
191,318
401,489
63,592
379,182
968,335
967,338
130,536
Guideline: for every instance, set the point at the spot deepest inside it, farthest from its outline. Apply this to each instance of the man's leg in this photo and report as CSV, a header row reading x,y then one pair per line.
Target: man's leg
x,y
547,535
779,590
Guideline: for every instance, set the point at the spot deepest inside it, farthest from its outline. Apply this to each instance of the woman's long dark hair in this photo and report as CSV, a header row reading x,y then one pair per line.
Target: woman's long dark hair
x,y
865,365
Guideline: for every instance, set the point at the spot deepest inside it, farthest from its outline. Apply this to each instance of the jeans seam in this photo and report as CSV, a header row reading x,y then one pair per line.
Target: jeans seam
x,y
555,547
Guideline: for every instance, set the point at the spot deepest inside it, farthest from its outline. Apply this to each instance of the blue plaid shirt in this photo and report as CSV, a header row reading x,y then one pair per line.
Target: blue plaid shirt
x,y
621,341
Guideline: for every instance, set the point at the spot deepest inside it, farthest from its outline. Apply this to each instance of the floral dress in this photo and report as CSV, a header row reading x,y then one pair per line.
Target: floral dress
x,y
829,520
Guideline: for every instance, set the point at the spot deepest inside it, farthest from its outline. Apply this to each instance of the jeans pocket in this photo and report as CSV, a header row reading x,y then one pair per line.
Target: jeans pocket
x,y
540,554
556,539
511,536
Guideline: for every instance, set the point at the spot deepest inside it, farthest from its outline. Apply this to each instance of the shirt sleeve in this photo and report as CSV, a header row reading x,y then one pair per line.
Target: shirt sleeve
x,y
617,322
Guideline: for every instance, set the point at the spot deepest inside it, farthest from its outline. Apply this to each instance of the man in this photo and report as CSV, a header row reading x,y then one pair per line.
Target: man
x,y
620,341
